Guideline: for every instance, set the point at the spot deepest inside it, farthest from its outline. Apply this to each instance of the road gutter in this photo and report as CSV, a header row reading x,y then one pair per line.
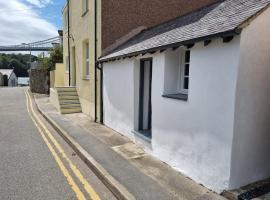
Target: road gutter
x,y
110,182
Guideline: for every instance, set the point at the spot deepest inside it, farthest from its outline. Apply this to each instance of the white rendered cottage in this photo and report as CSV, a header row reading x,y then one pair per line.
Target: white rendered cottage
x,y
9,78
195,92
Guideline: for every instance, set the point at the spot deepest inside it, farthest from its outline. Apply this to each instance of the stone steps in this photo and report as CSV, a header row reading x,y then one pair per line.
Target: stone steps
x,y
68,100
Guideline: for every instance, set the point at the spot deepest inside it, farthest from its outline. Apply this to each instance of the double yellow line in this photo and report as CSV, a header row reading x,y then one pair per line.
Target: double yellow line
x,y
49,140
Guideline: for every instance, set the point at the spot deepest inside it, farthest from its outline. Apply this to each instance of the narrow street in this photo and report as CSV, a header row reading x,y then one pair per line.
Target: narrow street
x,y
36,163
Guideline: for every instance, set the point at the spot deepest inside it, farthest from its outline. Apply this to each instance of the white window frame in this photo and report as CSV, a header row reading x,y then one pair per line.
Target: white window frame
x,y
182,76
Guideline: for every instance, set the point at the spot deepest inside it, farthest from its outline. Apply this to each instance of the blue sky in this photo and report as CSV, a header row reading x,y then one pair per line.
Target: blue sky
x,y
52,12
24,21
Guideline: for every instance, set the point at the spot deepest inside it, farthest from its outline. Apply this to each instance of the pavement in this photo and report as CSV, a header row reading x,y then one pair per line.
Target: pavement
x,y
139,174
28,168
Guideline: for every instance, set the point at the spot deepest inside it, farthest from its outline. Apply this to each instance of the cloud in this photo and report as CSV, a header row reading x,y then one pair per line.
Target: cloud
x,y
20,23
39,3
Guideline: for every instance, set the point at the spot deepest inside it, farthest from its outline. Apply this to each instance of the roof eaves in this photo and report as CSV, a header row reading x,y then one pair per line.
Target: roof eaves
x,y
236,31
233,31
251,18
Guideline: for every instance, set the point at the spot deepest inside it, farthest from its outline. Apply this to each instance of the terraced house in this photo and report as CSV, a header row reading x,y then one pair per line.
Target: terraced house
x,y
96,27
188,80
195,92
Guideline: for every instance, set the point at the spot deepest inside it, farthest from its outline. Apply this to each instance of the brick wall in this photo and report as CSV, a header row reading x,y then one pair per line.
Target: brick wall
x,y
119,17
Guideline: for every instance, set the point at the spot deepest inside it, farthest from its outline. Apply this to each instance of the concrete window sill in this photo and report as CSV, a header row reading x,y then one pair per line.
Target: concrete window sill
x,y
179,96
86,78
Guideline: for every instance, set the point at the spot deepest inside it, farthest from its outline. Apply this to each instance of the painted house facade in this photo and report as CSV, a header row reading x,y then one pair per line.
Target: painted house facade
x,y
79,50
195,92
96,27
9,78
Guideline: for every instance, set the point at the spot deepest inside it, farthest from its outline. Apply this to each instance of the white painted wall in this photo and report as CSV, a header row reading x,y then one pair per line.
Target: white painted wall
x,y
13,81
118,96
194,137
251,146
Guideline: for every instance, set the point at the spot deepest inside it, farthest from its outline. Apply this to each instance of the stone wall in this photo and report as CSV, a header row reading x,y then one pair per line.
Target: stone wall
x,y
40,81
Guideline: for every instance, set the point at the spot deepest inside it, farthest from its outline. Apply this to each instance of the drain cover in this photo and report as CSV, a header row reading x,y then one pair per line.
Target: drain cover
x,y
257,192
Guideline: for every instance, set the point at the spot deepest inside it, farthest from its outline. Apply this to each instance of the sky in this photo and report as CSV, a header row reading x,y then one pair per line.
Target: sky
x,y
25,21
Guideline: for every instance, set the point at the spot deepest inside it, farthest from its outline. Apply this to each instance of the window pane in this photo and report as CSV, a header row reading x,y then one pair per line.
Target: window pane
x,y
186,83
87,59
87,50
187,57
87,68
85,6
186,70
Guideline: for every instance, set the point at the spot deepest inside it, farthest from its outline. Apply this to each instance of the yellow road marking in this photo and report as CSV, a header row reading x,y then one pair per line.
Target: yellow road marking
x,y
93,195
63,169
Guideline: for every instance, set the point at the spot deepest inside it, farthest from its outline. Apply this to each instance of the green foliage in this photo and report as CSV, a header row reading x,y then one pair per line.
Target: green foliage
x,y
55,56
43,63
21,62
18,62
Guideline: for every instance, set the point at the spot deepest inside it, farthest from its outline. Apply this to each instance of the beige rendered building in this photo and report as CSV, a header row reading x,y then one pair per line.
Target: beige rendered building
x,y
119,20
82,50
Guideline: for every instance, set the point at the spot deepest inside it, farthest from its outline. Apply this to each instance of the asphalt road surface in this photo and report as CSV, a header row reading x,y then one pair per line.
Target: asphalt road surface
x,y
35,162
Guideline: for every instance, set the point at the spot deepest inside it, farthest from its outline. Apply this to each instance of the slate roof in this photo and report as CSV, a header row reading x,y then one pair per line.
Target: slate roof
x,y
223,17
6,72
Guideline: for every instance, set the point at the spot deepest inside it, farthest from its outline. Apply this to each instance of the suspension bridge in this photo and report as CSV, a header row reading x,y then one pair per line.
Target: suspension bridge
x,y
44,45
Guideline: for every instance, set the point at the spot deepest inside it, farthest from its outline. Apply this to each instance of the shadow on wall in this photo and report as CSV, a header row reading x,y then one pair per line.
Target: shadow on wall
x,y
1,80
5,80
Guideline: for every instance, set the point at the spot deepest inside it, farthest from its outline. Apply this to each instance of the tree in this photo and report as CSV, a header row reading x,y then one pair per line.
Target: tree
x,y
55,56
4,62
18,62
43,62
18,67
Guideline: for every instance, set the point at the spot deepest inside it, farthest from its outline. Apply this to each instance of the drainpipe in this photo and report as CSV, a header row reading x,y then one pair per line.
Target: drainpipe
x,y
101,90
95,60
101,95
69,68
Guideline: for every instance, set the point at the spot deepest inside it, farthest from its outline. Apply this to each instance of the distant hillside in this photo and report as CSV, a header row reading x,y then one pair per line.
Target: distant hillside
x,y
20,63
